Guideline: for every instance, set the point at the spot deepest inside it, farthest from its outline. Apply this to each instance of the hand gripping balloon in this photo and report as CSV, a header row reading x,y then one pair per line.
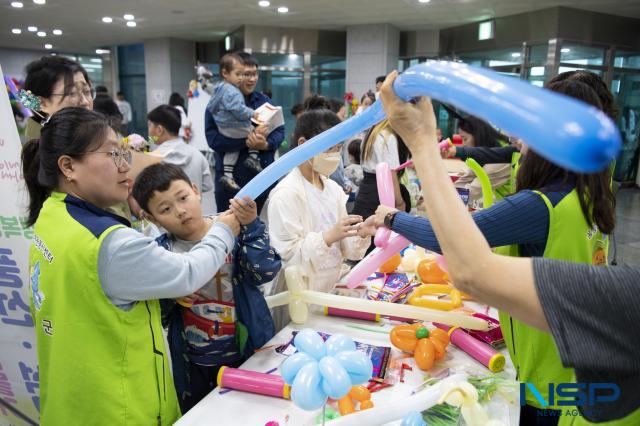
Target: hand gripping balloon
x,y
386,247
563,130
298,297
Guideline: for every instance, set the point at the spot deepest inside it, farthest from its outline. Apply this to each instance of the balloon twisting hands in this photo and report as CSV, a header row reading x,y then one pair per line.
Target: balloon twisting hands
x,y
321,370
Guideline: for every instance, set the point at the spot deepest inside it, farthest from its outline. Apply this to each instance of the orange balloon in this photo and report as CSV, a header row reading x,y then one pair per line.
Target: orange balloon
x,y
366,404
439,334
360,393
425,354
345,406
429,272
391,265
404,337
439,346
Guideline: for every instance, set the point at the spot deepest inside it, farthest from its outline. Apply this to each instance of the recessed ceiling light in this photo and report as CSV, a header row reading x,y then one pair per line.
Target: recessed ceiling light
x,y
48,46
102,51
129,17
17,4
131,24
16,31
32,29
107,19
424,1
515,55
283,9
39,1
565,50
42,34
57,32
264,3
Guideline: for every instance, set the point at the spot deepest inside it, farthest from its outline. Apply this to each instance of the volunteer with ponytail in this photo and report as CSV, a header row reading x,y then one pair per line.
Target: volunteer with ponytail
x,y
95,282
308,221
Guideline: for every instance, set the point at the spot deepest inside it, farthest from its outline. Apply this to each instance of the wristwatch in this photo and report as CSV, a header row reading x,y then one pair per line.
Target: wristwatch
x,y
388,219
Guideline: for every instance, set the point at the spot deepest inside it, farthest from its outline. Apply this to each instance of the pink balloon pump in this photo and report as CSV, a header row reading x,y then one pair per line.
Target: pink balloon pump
x,y
387,198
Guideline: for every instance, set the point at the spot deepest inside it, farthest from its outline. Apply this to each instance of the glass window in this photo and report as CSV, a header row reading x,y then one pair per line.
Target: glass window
x,y
279,60
493,58
581,55
626,90
627,60
287,90
538,54
328,62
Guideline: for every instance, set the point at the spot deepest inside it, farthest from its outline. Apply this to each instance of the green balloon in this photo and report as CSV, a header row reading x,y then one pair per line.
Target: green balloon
x,y
422,333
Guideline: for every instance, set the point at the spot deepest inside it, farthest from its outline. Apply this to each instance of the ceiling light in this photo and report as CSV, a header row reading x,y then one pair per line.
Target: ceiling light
x,y
32,29
17,4
424,1
565,50
42,34
39,1
131,24
48,46
107,19
129,17
264,3
102,51
57,32
16,31
283,9
98,60
515,55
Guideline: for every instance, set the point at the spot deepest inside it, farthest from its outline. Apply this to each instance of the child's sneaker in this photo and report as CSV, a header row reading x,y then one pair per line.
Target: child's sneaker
x,y
253,164
229,183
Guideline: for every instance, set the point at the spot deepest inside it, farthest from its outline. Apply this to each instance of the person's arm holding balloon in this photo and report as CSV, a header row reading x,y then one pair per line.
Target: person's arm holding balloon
x,y
566,298
469,259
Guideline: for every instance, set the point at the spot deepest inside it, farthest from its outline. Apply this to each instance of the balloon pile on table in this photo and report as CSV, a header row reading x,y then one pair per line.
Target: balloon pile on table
x,y
322,370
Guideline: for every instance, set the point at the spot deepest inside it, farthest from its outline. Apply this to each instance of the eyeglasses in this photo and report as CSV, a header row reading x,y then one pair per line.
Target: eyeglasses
x,y
120,156
88,93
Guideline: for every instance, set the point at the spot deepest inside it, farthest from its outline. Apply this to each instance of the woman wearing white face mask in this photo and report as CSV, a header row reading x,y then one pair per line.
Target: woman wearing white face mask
x,y
308,221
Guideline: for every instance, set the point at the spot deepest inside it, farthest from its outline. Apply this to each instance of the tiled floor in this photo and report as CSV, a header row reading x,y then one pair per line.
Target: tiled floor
x,y
627,232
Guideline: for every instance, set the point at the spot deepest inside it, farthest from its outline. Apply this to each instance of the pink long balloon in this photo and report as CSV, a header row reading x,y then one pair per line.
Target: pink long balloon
x,y
387,198
369,264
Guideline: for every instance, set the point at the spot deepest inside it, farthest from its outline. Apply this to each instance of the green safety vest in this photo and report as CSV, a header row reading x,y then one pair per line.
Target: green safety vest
x,y
99,364
509,187
533,352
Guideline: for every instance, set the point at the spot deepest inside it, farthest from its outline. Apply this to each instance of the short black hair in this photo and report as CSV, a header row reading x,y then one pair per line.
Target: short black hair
x,y
120,94
228,60
42,74
297,109
313,122
354,149
157,177
380,79
247,59
166,116
101,89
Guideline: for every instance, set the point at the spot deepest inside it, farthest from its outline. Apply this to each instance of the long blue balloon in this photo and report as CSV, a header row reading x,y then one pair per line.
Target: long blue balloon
x,y
570,133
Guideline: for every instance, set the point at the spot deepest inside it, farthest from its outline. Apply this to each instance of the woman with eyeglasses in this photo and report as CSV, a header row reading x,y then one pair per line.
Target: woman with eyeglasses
x,y
58,82
100,346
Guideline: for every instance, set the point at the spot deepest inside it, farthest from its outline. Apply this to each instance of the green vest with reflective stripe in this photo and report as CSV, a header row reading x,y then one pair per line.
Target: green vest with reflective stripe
x,y
533,352
99,364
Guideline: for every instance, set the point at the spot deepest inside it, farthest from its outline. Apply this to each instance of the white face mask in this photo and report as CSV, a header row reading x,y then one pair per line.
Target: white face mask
x,y
326,163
